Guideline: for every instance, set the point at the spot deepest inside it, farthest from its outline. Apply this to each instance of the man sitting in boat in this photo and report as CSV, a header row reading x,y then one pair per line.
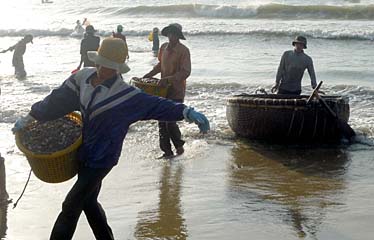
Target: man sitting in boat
x,y
291,69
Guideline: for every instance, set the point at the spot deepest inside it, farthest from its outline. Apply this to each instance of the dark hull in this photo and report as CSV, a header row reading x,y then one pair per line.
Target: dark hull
x,y
286,118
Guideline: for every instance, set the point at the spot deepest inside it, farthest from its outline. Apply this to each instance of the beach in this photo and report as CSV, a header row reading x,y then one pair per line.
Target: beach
x,y
222,187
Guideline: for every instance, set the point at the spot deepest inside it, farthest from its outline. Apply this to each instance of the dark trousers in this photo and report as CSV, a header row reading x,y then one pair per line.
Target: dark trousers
x,y
282,91
19,67
83,197
169,131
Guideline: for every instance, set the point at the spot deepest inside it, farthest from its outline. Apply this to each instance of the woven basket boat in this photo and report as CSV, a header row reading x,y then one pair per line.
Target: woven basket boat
x,y
277,117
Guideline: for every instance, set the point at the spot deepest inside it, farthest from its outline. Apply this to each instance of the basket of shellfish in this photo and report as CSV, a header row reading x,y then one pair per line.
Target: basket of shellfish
x,y
150,86
51,147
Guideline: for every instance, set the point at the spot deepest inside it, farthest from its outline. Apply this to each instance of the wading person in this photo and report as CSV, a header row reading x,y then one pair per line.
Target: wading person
x,y
120,35
292,67
108,106
78,27
155,41
90,42
19,50
175,67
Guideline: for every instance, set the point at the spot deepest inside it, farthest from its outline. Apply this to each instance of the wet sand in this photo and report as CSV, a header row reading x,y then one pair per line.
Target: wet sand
x,y
218,189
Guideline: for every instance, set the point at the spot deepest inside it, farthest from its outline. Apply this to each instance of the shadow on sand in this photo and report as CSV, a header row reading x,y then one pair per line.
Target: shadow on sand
x,y
166,221
297,185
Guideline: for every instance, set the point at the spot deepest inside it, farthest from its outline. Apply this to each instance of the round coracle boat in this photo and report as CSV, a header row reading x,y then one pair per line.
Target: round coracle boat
x,y
278,117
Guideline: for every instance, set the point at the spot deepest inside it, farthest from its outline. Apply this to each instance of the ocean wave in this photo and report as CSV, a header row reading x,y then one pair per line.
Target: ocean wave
x,y
269,11
313,33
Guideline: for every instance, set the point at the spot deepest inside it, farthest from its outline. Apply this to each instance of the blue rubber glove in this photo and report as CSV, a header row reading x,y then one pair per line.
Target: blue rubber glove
x,y
22,122
193,116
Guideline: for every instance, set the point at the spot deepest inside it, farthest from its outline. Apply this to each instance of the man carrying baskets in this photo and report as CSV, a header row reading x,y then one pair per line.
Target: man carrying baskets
x,y
108,106
175,67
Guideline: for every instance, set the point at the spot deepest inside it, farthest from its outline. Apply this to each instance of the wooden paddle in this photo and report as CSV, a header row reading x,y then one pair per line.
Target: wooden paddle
x,y
344,127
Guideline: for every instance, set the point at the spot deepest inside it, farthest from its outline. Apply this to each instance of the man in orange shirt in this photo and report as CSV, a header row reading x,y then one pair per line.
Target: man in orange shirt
x,y
175,67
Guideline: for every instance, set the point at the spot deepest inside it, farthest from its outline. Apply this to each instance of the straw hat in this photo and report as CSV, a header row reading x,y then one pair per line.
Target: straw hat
x,y
174,28
112,54
299,39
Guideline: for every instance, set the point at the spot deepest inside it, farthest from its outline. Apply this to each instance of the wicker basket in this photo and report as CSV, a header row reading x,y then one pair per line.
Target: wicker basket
x,y
150,88
54,167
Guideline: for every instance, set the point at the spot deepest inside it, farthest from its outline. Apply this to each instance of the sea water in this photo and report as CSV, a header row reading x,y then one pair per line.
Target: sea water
x,y
223,187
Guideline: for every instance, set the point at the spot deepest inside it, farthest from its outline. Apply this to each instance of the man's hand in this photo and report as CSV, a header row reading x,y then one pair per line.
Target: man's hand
x,y
190,115
148,75
275,88
163,82
22,122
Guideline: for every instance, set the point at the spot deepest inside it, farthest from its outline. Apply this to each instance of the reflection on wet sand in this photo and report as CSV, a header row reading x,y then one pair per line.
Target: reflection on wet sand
x,y
3,220
165,222
296,185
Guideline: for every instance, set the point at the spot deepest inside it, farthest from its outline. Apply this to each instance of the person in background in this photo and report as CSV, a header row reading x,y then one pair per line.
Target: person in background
x,y
90,42
78,28
175,67
120,35
4,197
108,106
155,41
19,50
291,69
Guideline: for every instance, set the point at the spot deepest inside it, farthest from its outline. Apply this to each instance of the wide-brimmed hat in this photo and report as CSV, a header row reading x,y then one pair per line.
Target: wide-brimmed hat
x,y
29,38
112,54
90,29
299,39
174,28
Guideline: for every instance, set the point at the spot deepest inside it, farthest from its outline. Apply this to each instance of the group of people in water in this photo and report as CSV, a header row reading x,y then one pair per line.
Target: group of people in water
x,y
109,106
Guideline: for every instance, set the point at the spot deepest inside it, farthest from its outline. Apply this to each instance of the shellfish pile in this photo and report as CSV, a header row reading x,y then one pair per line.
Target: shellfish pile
x,y
146,80
51,136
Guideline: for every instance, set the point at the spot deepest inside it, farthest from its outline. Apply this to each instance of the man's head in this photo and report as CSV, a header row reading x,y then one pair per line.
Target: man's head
x,y
173,32
90,29
299,43
28,38
119,28
110,56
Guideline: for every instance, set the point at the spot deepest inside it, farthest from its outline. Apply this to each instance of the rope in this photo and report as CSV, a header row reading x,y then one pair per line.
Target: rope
x,y
23,191
291,124
302,124
292,119
315,124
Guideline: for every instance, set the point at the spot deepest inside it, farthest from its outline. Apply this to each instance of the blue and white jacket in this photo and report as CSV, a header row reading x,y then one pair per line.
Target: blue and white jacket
x,y
107,111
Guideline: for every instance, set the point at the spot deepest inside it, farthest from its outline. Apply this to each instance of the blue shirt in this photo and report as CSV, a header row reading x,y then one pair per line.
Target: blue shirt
x,y
107,112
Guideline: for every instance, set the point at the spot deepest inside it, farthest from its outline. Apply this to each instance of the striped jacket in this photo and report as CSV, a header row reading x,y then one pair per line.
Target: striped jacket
x,y
107,111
